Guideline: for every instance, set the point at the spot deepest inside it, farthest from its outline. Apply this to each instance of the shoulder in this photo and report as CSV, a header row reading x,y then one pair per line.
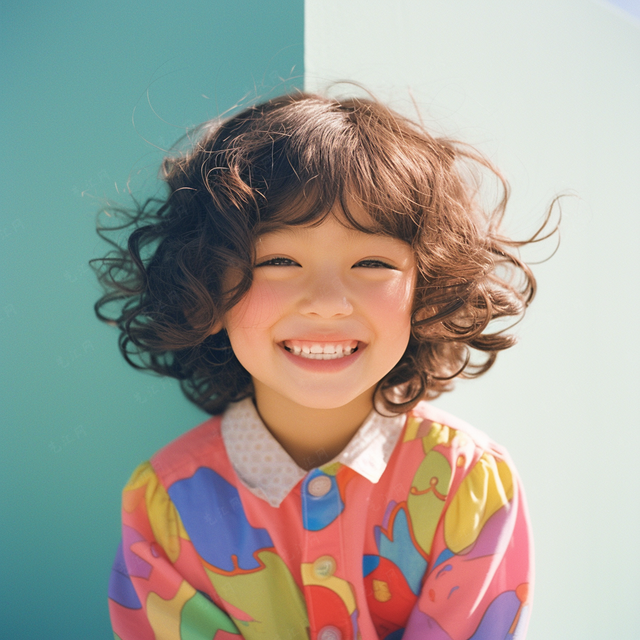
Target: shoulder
x,y
472,477
198,447
467,460
427,421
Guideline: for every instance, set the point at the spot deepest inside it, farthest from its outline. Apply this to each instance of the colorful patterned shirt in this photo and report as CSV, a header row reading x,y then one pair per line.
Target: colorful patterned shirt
x,y
417,530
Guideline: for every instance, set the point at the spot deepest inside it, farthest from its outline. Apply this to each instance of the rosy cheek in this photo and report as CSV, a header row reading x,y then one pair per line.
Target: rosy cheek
x,y
258,307
395,298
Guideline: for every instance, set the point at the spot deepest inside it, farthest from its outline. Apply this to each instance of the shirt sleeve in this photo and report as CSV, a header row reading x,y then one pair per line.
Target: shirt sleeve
x,y
150,597
478,584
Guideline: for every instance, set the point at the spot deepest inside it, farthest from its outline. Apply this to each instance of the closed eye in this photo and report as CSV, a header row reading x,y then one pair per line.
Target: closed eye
x,y
374,264
278,262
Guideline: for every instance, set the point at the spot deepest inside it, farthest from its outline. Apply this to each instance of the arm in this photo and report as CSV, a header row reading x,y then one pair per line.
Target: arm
x,y
149,597
478,583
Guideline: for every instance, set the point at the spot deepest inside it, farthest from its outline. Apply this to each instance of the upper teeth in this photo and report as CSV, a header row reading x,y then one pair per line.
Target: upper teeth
x,y
319,351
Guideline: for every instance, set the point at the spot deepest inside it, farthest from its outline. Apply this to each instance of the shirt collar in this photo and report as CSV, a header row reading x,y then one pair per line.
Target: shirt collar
x,y
268,471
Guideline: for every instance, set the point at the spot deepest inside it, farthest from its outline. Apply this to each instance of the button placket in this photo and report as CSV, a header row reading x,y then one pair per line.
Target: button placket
x,y
322,505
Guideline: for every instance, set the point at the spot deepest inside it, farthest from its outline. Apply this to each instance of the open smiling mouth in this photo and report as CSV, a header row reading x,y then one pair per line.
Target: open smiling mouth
x,y
318,351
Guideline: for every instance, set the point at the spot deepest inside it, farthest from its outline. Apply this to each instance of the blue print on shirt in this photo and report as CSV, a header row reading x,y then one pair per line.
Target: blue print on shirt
x,y
498,618
120,586
399,548
369,563
212,514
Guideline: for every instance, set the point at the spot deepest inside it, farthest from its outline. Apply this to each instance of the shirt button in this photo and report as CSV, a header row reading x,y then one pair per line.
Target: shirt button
x,y
319,486
330,633
324,567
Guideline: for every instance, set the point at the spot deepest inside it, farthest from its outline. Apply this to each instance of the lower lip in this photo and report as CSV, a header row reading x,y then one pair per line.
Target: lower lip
x,y
324,366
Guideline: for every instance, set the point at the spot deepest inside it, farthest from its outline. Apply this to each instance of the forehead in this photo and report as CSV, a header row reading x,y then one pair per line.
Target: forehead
x,y
332,236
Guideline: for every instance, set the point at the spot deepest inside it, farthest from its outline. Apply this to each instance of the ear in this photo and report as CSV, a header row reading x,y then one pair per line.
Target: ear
x,y
217,327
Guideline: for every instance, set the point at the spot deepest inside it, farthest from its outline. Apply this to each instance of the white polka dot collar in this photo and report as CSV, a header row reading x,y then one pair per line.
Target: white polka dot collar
x,y
268,471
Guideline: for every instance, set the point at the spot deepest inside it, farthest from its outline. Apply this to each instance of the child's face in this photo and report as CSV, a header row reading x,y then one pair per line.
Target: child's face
x,y
327,288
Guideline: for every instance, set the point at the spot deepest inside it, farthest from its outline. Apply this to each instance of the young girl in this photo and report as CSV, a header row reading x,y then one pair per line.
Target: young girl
x,y
318,269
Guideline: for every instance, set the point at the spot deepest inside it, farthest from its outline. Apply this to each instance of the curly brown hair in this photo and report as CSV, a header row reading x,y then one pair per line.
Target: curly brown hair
x,y
288,161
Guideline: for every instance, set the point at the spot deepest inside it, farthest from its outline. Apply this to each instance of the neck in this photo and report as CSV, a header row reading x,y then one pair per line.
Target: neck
x,y
311,436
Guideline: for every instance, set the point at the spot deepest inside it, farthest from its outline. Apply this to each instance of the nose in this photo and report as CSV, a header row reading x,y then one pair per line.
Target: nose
x,y
326,296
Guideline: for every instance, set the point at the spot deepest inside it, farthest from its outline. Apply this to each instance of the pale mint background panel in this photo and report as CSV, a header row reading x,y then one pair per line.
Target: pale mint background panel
x,y
550,91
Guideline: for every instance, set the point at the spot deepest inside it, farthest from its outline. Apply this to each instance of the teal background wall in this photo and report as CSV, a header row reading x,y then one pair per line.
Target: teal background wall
x,y
550,91
75,419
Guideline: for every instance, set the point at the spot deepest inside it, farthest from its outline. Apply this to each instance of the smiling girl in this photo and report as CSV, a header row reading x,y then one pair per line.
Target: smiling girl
x,y
318,269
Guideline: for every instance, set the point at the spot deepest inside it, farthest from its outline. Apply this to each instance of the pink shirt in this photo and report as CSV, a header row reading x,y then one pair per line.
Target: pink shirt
x,y
417,530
